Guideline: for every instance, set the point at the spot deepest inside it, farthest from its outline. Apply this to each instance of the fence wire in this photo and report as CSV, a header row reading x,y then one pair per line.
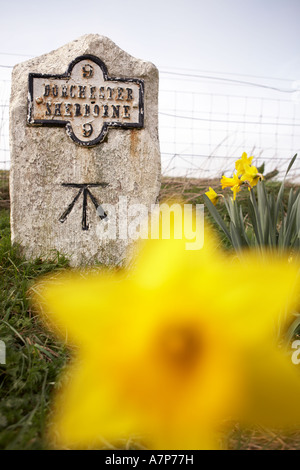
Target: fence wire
x,y
206,121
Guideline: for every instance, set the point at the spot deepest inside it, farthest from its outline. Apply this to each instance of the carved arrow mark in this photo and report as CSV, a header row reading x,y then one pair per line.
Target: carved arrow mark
x,y
84,189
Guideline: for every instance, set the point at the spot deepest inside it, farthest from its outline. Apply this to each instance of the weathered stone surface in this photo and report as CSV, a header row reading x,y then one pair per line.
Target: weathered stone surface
x,y
44,160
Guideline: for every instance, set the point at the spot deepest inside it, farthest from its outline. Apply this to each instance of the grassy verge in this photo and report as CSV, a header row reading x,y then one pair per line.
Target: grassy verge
x,y
35,358
4,189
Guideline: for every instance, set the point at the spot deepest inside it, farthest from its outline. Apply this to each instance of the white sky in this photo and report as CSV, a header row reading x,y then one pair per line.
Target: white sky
x,y
254,37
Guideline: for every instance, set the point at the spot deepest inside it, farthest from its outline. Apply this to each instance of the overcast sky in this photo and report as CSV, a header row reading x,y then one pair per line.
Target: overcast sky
x,y
255,37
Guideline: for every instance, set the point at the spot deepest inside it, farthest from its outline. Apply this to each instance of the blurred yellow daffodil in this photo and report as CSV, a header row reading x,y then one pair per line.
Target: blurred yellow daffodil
x,y
169,350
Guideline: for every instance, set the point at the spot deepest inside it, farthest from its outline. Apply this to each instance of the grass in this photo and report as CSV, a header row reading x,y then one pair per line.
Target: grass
x,y
4,189
35,358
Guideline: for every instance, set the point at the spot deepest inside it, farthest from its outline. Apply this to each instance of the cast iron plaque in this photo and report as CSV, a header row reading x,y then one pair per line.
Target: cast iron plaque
x,y
86,101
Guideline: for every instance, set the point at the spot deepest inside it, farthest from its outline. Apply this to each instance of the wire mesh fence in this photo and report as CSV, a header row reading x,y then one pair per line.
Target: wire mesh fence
x,y
207,120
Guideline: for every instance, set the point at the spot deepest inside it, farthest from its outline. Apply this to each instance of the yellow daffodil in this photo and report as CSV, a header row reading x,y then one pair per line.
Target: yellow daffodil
x,y
235,189
230,182
212,195
251,175
166,352
234,183
241,163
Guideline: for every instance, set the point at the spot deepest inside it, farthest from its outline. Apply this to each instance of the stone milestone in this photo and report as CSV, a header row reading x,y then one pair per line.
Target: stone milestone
x,y
83,137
